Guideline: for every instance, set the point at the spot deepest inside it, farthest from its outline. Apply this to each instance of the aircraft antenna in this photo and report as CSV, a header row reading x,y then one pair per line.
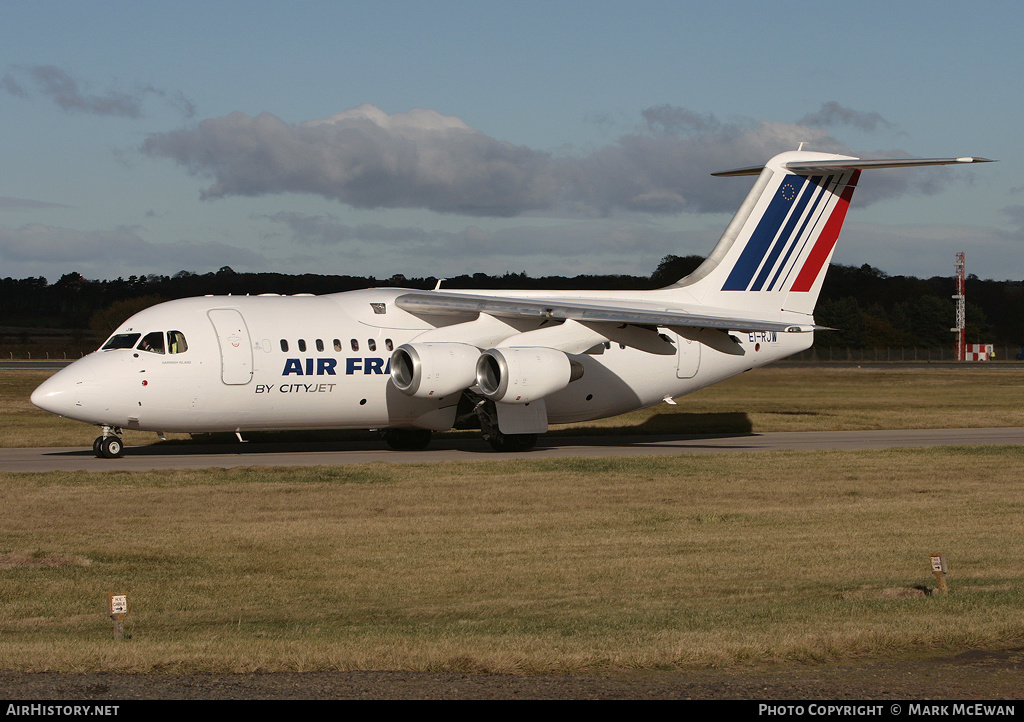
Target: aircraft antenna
x,y
961,308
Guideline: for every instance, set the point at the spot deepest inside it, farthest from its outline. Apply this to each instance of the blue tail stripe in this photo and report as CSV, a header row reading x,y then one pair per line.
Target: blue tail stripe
x,y
811,218
762,237
785,238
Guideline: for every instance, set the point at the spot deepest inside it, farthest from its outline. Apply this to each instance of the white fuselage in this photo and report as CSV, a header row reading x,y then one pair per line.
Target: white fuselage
x,y
518,360
323,362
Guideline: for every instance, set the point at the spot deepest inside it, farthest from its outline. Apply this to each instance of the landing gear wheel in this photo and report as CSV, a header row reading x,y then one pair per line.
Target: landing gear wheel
x,y
109,447
512,442
407,439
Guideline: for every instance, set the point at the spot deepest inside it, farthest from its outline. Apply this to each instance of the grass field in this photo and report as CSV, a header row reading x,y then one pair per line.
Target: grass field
x,y
647,563
530,566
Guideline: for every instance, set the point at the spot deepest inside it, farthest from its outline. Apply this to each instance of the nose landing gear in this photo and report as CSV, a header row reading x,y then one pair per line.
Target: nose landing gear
x,y
108,446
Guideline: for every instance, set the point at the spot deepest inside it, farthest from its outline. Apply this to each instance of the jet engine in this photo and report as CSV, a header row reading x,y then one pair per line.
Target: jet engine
x,y
519,375
432,370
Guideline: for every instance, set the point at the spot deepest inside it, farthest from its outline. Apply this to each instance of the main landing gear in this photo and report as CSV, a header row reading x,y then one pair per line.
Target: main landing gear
x,y
474,412
417,439
108,446
511,442
488,417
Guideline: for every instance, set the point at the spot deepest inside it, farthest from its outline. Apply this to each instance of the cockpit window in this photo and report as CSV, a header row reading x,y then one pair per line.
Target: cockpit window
x,y
176,342
152,342
121,340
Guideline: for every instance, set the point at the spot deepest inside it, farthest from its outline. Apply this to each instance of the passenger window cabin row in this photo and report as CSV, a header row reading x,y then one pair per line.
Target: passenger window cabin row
x,y
371,345
175,343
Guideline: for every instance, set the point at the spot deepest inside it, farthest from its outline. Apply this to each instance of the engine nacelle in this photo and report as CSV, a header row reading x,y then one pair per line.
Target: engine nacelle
x,y
432,370
519,375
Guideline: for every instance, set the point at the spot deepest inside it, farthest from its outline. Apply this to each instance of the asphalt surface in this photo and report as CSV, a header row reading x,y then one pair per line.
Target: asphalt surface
x,y
197,456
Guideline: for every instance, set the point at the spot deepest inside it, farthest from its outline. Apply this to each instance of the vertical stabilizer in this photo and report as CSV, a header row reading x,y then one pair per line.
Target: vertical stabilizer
x,y
774,254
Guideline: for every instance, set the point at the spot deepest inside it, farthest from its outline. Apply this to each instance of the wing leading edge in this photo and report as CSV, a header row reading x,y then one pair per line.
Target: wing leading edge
x,y
438,303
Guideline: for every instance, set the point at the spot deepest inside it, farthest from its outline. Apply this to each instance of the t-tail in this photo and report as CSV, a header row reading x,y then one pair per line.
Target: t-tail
x,y
773,256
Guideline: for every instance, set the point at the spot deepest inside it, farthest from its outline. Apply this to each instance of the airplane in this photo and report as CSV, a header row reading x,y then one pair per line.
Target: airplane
x,y
511,363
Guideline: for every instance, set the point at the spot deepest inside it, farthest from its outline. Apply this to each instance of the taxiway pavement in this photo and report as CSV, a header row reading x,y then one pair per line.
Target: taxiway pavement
x,y
195,456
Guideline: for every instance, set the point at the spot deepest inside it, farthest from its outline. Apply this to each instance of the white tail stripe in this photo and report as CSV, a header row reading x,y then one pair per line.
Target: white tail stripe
x,y
792,220
795,233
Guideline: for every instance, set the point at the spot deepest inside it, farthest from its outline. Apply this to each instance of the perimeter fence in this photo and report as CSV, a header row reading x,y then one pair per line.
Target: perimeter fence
x,y
895,354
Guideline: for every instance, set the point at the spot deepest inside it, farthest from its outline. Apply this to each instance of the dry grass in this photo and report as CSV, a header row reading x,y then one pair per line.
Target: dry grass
x,y
824,398
528,566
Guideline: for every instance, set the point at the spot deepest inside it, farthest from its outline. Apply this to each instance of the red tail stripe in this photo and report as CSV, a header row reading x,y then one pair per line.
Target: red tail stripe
x,y
826,241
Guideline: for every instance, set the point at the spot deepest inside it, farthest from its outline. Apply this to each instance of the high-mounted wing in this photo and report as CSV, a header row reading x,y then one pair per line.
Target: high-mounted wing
x,y
446,303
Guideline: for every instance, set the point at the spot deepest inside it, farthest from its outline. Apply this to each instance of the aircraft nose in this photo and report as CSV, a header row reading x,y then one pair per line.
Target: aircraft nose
x,y
58,394
55,394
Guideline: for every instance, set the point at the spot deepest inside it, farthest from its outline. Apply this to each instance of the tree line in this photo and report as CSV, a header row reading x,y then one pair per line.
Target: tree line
x,y
867,307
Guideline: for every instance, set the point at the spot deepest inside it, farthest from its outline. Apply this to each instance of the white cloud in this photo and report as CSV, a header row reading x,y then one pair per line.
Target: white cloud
x,y
71,94
366,158
540,248
8,203
833,114
926,250
32,248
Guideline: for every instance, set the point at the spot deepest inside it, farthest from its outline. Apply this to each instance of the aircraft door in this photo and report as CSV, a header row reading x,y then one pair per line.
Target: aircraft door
x,y
688,358
235,345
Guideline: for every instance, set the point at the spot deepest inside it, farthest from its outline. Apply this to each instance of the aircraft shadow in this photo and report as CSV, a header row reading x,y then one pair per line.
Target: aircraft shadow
x,y
670,423
657,430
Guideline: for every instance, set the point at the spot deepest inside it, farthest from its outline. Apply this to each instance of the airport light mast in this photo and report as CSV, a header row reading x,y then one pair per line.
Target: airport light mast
x,y
961,308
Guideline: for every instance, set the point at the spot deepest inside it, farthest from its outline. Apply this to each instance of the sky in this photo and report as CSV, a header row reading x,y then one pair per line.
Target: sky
x,y
438,138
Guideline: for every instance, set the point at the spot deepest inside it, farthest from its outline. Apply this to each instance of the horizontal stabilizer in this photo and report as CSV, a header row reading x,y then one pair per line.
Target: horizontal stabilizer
x,y
825,166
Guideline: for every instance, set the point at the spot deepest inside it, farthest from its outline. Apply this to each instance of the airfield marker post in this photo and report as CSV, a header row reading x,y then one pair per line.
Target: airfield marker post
x,y
939,568
117,609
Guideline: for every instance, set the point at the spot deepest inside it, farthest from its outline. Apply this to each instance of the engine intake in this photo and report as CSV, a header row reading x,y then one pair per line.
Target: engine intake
x,y
519,375
432,370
